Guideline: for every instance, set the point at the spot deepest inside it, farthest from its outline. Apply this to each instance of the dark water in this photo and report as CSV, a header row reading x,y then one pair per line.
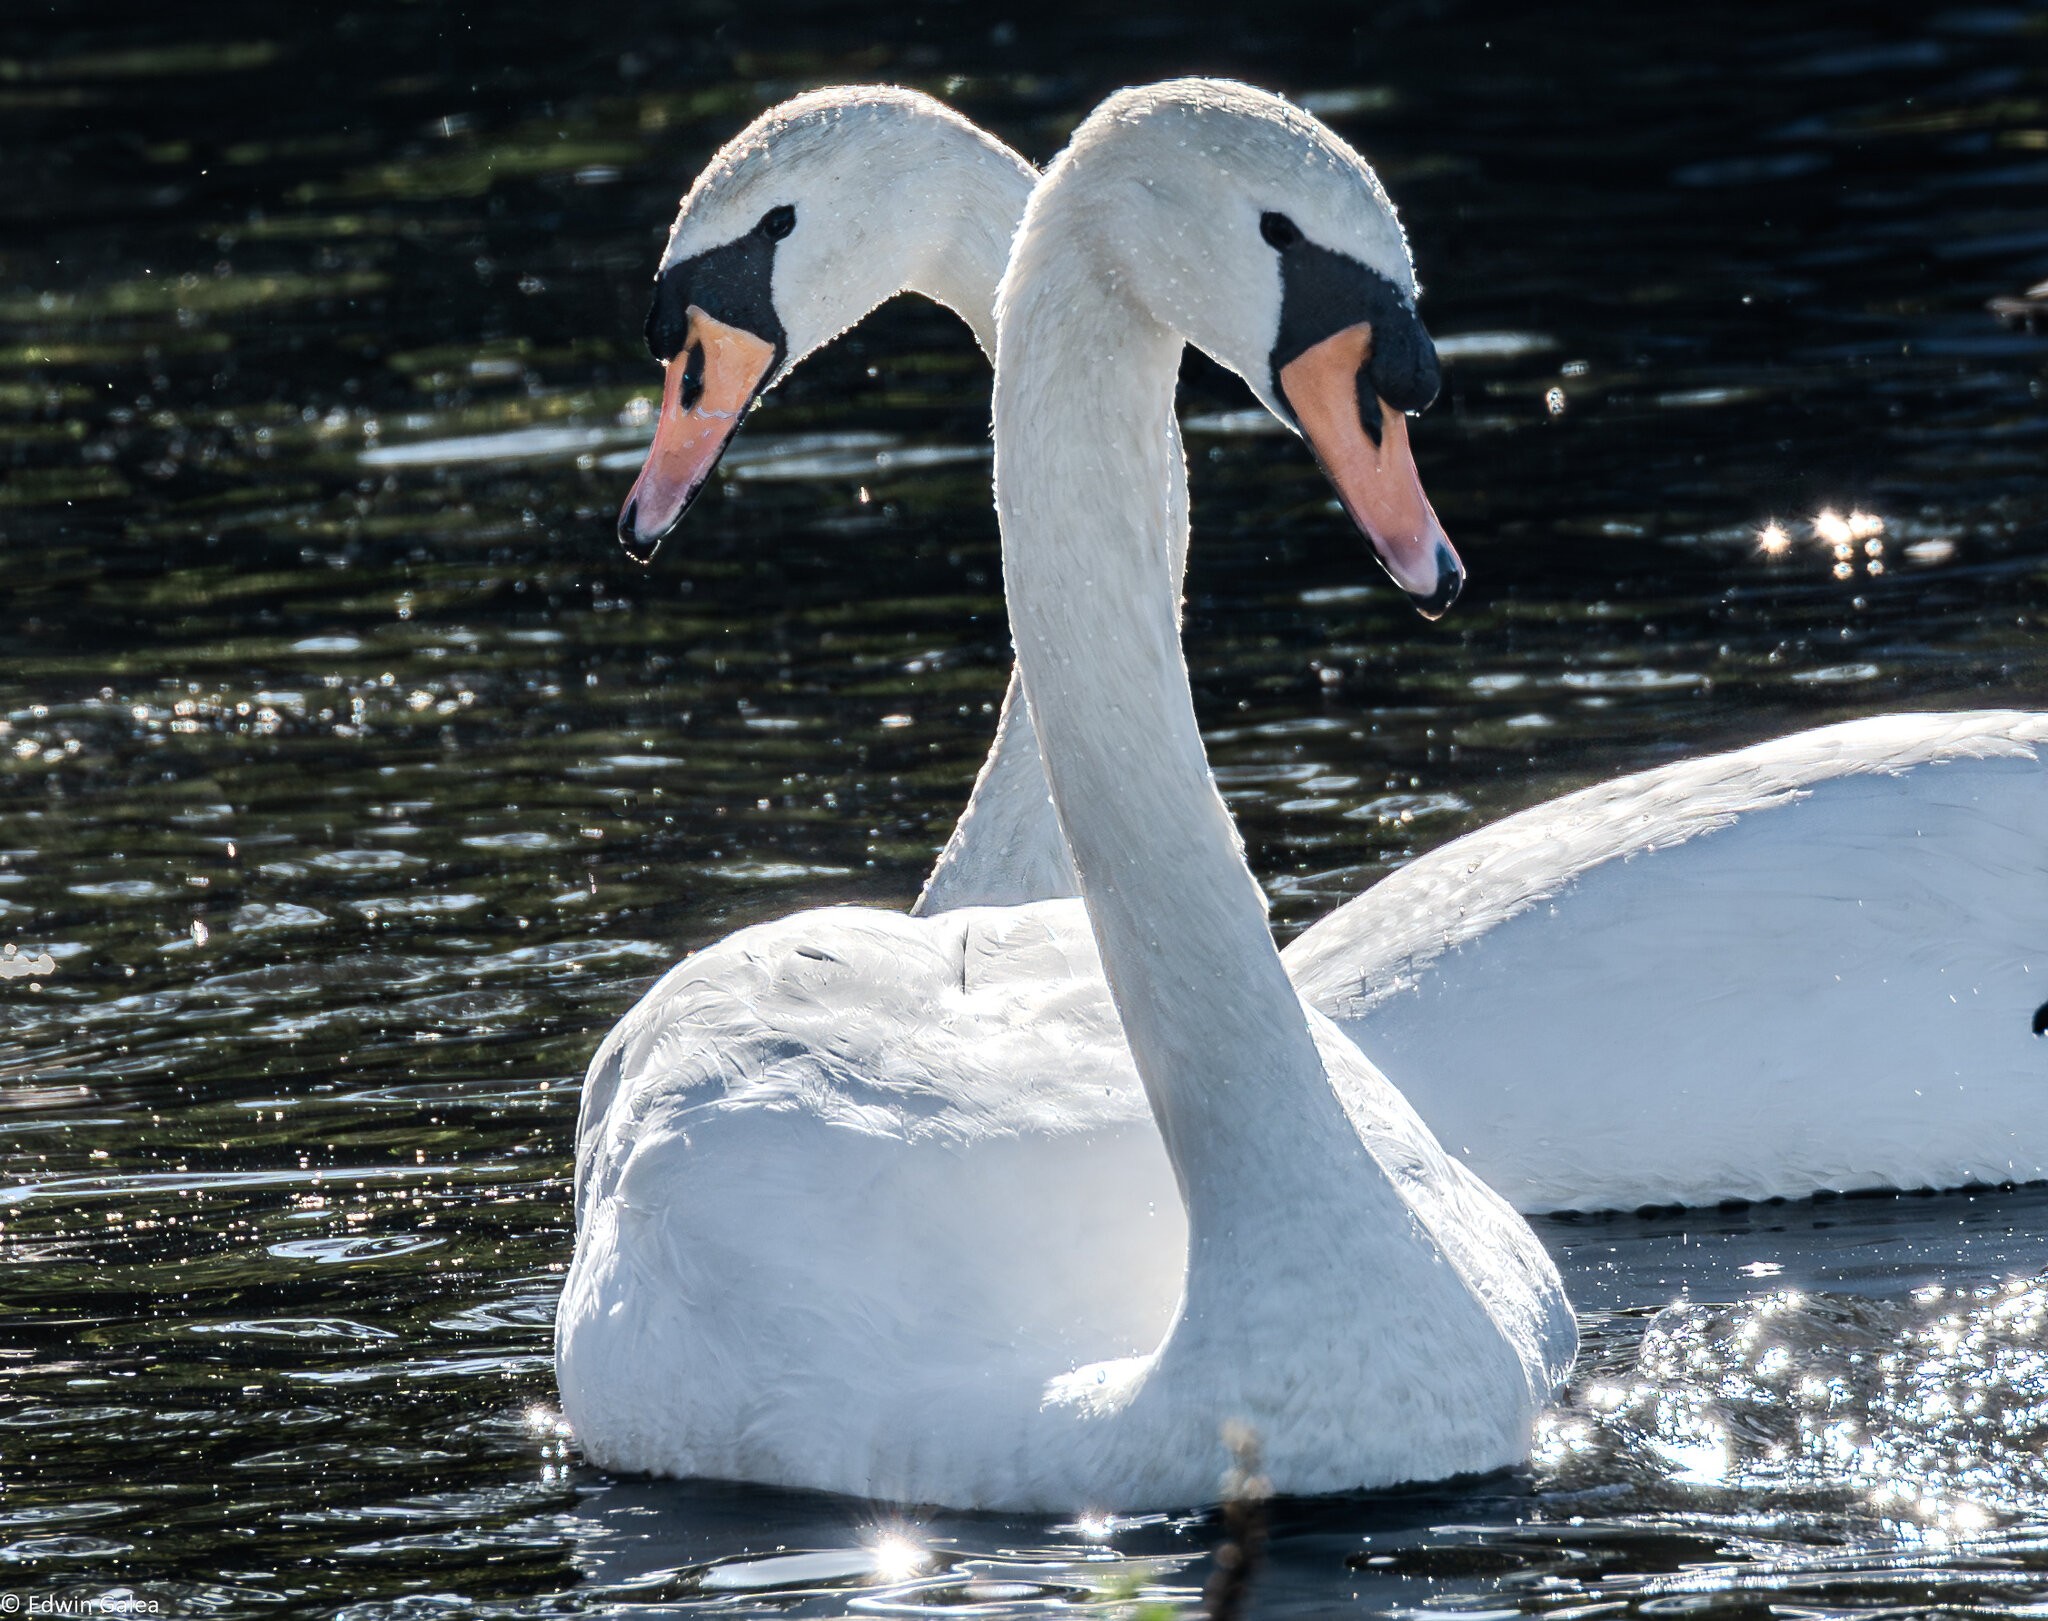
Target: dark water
x,y
355,782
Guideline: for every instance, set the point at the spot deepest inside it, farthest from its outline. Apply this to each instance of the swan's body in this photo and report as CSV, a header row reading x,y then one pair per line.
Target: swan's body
x,y
1720,979
866,1202
1811,964
891,1216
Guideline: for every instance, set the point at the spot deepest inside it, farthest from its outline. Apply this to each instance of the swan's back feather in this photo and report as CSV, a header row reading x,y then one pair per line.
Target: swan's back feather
x,y
1376,947
1805,966
977,1023
919,1142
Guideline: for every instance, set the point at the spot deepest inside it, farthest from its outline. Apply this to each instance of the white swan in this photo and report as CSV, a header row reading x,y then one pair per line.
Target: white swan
x,y
1817,963
896,193
863,1204
1814,964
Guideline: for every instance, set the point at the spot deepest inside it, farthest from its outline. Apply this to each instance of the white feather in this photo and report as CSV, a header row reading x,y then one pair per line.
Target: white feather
x,y
1811,964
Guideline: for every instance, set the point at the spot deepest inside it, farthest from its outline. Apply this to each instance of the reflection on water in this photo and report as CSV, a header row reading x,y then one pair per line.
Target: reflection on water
x,y
1929,1408
353,782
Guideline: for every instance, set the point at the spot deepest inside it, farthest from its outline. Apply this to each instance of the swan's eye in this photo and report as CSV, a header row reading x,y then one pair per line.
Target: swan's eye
x,y
2041,1020
778,222
1279,231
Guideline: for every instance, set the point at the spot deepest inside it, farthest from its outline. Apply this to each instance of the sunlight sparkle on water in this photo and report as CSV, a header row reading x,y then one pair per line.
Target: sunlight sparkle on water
x,y
1843,536
898,1556
1860,533
1697,1463
545,1421
1931,1408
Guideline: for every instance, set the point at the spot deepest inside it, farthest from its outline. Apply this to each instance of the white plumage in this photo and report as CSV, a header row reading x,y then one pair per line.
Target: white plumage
x,y
871,1203
1809,965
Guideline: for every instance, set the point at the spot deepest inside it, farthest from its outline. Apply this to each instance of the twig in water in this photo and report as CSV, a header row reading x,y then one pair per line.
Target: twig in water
x,y
1243,1549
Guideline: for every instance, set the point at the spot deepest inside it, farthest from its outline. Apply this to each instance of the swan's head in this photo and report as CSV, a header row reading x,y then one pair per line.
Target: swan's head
x,y
819,210
1247,227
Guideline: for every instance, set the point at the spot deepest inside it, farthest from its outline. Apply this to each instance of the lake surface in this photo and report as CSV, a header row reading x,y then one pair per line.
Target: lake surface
x,y
355,782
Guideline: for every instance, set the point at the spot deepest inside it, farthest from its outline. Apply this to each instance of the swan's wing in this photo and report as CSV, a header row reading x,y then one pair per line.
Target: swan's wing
x,y
1376,946
919,1140
979,1022
1812,964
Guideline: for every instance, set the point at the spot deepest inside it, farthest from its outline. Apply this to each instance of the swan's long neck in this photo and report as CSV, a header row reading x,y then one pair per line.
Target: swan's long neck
x,y
1221,1041
1007,848
967,212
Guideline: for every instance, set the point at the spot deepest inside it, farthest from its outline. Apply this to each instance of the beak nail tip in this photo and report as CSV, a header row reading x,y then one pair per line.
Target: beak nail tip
x,y
1450,584
636,545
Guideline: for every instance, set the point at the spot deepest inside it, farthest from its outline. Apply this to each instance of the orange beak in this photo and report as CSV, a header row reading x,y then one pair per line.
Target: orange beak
x,y
706,391
1375,474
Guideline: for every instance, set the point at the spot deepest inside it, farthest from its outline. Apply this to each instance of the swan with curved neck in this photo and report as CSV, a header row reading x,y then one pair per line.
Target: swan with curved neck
x,y
823,207
860,1215
1691,984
